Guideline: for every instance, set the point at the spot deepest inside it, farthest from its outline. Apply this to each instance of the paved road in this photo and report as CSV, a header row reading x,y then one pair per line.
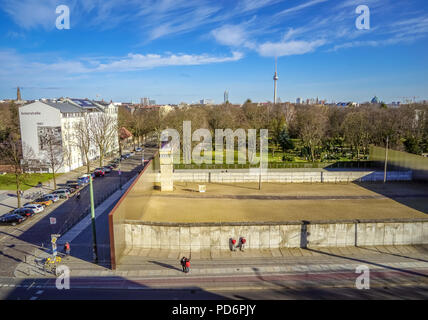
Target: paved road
x,y
18,242
384,284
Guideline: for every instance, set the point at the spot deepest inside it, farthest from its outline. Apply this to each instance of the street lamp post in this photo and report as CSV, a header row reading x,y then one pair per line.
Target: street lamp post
x,y
386,160
94,230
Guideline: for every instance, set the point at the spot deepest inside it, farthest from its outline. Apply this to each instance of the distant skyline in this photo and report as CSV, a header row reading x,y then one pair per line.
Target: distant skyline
x,y
188,50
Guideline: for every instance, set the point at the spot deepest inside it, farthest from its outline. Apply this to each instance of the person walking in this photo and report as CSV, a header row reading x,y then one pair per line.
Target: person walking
x,y
67,249
233,244
242,246
183,263
187,266
78,195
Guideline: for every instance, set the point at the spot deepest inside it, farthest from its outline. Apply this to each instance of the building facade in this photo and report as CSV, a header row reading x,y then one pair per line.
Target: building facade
x,y
52,133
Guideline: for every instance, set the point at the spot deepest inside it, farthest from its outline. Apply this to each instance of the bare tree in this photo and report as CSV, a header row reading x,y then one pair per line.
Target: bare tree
x,y
312,123
356,132
53,154
103,132
82,138
11,153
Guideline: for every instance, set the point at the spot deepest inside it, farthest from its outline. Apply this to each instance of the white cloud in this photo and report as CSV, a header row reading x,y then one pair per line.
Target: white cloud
x,y
230,35
301,7
35,67
138,61
30,14
278,49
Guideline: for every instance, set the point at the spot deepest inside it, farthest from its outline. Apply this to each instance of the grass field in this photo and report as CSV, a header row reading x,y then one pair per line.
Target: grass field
x,y
7,181
284,202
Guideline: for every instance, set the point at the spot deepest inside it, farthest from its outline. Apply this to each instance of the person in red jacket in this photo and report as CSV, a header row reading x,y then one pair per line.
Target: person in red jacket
x,y
242,245
67,249
233,244
187,266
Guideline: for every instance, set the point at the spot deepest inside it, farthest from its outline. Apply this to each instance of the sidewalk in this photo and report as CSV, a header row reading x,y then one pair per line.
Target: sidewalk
x,y
257,262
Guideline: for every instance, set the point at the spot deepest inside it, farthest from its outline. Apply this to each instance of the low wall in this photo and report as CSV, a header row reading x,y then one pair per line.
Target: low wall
x,y
398,160
198,237
139,192
285,176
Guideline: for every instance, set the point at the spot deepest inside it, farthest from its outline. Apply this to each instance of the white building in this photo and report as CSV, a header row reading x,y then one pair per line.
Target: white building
x,y
59,120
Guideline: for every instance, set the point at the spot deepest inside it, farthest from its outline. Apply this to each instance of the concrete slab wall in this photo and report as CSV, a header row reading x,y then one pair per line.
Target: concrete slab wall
x,y
269,236
121,234
402,161
287,176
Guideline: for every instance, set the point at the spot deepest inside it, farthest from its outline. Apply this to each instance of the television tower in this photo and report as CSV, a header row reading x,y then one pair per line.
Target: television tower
x,y
275,79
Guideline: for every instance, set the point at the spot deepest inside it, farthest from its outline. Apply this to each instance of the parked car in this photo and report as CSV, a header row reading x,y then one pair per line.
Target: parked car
x,y
83,179
70,189
37,208
138,149
113,165
108,168
52,197
99,172
42,201
62,193
12,219
131,154
73,185
25,212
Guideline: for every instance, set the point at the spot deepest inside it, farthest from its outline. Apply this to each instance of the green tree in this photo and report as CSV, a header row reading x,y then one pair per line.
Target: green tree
x,y
285,141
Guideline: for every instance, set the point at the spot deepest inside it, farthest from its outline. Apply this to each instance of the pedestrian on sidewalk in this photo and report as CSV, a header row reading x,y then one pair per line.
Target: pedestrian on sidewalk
x,y
187,266
242,244
232,244
183,263
67,249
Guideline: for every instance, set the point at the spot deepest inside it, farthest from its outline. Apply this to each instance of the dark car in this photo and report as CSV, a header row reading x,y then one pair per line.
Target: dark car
x,y
73,185
12,219
24,212
113,165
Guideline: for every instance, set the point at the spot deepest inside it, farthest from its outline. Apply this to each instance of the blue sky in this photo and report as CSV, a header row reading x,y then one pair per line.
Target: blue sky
x,y
186,50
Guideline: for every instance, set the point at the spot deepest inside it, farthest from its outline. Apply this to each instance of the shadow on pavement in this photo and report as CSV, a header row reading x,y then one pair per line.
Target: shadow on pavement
x,y
104,288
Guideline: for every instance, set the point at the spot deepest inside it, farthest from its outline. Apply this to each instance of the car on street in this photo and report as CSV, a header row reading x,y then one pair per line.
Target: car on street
x,y
42,201
99,172
25,212
62,193
83,179
73,185
37,208
108,168
138,149
70,189
52,197
12,219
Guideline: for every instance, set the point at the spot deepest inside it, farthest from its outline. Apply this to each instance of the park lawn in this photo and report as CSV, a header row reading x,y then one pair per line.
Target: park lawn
x,y
7,181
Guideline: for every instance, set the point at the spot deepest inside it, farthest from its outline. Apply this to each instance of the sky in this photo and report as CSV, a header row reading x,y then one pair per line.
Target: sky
x,y
185,50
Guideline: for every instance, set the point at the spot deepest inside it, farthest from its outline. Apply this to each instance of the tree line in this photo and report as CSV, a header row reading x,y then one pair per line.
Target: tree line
x,y
322,131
